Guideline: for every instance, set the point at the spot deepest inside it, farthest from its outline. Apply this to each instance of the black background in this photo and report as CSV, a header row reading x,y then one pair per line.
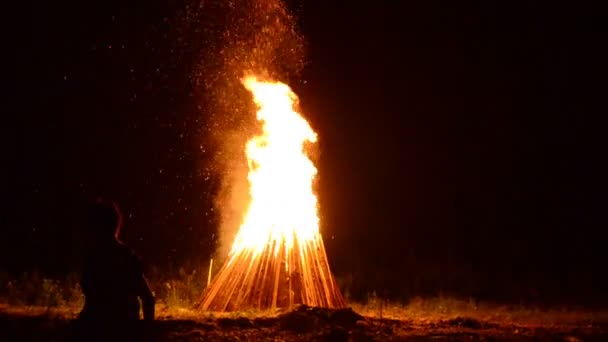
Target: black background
x,y
460,142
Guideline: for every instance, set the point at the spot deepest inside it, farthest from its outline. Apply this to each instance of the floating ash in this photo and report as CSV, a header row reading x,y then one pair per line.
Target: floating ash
x,y
277,259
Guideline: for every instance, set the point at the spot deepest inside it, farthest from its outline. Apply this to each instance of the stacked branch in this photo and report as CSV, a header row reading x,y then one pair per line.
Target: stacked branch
x,y
277,277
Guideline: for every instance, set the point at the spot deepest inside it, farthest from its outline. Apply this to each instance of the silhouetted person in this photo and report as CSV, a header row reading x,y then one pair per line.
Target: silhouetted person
x,y
112,281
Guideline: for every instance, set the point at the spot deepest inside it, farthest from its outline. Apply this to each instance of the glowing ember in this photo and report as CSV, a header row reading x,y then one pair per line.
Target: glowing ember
x,y
278,258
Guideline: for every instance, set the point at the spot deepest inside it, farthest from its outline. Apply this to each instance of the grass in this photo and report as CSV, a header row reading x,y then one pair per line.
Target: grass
x,y
33,289
440,308
33,293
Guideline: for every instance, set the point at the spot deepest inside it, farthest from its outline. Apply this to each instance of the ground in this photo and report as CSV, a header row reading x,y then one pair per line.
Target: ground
x,y
384,323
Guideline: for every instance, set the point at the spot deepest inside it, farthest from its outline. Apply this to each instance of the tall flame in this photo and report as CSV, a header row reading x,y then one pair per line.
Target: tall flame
x,y
283,205
278,258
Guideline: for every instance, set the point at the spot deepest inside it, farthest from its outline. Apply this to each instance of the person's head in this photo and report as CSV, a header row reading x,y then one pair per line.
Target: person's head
x,y
105,219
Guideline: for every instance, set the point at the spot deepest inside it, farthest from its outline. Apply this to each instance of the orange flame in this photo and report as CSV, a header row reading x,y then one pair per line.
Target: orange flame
x,y
283,205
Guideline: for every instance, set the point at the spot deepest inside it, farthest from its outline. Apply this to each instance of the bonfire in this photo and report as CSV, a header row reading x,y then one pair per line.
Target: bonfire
x,y
277,259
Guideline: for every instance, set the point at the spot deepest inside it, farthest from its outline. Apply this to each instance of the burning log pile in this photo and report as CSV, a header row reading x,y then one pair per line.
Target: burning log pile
x,y
276,278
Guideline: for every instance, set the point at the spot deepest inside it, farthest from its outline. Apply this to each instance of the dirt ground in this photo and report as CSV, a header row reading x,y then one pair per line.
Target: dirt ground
x,y
302,324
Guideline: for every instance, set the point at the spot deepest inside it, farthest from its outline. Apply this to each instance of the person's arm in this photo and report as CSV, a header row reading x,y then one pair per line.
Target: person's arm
x,y
143,290
147,299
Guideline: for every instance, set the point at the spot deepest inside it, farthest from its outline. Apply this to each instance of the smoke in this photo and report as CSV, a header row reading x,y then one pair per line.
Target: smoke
x,y
239,37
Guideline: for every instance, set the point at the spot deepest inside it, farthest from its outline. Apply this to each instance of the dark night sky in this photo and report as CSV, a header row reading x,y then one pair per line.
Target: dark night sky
x,y
460,141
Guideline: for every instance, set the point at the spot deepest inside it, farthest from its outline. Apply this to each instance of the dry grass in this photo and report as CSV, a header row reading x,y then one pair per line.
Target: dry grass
x,y
33,294
180,312
437,309
428,310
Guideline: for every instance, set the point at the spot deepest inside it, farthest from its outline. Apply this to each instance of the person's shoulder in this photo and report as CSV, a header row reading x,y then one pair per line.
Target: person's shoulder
x,y
123,248
128,253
